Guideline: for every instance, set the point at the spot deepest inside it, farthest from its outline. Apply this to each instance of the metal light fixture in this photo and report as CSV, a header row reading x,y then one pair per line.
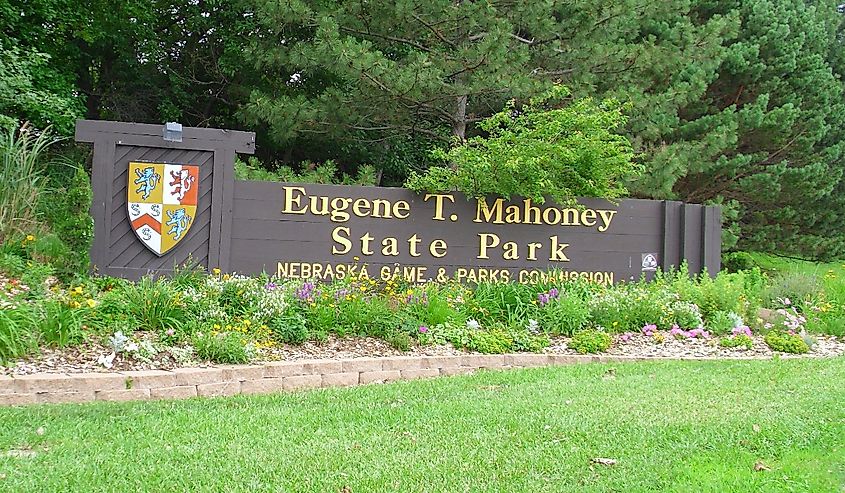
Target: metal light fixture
x,y
172,132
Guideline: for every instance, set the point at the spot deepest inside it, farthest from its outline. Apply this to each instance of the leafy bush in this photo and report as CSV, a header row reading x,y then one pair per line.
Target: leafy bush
x,y
290,327
545,149
786,342
400,340
799,288
738,261
590,341
740,340
564,315
223,347
65,204
493,341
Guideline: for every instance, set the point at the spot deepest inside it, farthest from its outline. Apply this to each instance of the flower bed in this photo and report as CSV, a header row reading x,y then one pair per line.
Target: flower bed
x,y
196,318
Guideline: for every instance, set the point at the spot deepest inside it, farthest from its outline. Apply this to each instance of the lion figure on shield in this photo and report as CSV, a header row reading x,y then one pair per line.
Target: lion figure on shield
x,y
179,219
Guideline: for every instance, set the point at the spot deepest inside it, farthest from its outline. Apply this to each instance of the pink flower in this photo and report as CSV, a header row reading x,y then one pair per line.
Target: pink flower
x,y
649,329
170,332
423,329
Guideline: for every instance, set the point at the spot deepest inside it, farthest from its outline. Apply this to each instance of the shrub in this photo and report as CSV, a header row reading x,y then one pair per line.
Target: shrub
x,y
493,341
18,334
736,341
544,150
786,342
223,347
66,204
290,327
799,288
590,341
400,340
738,261
564,315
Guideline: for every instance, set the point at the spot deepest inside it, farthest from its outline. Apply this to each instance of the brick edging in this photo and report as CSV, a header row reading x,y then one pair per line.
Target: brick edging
x,y
269,377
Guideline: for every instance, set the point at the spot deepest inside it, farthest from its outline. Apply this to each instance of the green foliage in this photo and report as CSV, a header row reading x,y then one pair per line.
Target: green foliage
x,y
740,340
590,341
544,149
29,93
786,343
22,161
401,341
565,315
290,327
798,288
65,204
326,173
737,261
60,324
223,347
154,305
18,332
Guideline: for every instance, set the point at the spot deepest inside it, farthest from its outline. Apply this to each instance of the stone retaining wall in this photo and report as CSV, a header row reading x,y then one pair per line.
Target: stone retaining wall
x,y
261,379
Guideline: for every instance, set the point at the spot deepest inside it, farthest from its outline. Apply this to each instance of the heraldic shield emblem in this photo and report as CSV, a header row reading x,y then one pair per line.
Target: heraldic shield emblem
x,y
162,203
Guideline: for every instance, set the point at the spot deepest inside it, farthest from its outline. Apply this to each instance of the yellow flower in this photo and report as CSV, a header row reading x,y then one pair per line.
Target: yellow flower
x,y
215,271
225,277
247,322
30,238
77,290
216,326
91,303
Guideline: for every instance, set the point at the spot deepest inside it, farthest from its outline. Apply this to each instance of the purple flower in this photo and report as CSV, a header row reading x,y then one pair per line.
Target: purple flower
x,y
270,286
423,329
554,293
649,329
543,298
742,329
626,337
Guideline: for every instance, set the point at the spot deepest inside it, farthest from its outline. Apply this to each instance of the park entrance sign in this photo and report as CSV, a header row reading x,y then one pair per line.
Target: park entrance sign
x,y
159,204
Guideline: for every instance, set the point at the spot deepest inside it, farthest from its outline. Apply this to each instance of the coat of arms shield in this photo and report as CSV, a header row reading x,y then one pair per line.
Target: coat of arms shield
x,y
162,203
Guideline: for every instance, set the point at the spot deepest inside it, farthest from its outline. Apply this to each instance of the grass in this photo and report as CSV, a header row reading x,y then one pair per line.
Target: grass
x,y
672,426
782,265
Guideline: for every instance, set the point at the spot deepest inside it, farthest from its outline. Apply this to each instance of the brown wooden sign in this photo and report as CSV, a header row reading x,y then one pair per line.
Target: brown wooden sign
x,y
295,230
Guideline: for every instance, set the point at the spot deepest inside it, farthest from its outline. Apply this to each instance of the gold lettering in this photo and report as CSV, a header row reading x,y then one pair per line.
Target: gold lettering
x,y
413,241
510,251
316,210
557,250
385,205
532,251
290,200
570,217
484,244
588,217
438,204
529,210
339,206
361,207
341,235
390,246
548,211
365,244
483,208
512,214
606,218
437,248
399,207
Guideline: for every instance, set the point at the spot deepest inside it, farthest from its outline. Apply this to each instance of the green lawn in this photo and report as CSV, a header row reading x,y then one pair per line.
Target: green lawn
x,y
672,426
782,265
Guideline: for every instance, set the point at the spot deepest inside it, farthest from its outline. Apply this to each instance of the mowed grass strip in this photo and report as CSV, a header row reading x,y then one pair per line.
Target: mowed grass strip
x,y
670,426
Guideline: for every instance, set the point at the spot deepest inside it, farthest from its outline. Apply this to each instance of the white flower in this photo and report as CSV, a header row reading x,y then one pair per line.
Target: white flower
x,y
131,347
473,324
106,361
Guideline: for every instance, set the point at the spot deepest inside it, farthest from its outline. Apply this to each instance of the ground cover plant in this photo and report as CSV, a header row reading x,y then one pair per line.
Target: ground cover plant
x,y
195,315
669,426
